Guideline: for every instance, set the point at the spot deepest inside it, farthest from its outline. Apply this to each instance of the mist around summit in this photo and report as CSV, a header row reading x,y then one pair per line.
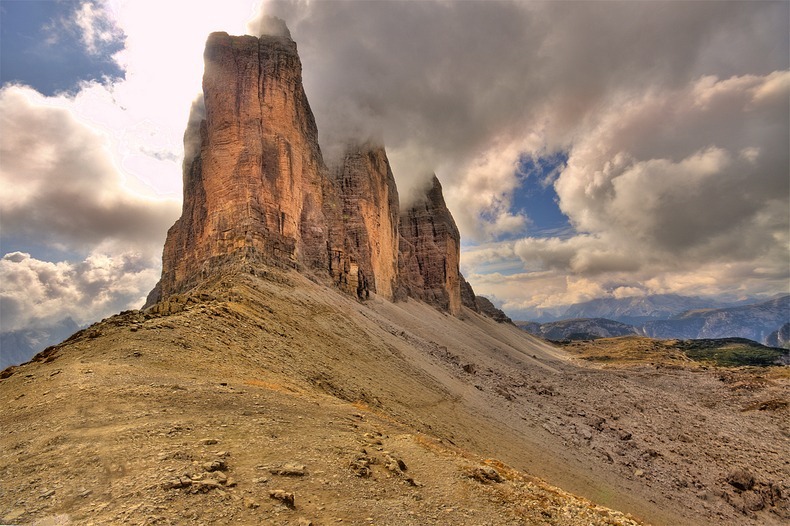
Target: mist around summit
x,y
313,353
672,123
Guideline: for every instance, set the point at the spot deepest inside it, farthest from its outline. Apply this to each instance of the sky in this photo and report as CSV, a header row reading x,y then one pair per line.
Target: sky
x,y
586,149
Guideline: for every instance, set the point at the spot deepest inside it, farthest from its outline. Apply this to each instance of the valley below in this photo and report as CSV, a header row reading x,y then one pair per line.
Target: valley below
x,y
263,397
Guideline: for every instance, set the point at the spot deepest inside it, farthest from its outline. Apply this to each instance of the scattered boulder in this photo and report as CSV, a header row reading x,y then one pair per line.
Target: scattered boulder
x,y
741,479
486,474
394,464
360,466
289,469
753,501
214,465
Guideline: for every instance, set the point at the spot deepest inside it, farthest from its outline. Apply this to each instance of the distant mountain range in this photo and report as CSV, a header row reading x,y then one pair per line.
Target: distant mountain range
x,y
637,310
755,322
633,310
767,322
20,346
578,329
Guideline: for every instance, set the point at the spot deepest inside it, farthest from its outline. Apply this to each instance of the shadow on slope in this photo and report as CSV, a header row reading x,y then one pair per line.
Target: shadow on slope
x,y
278,369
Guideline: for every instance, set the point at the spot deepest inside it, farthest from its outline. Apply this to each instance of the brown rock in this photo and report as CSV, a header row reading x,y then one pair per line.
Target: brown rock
x,y
430,252
468,298
486,474
253,172
741,478
286,497
289,470
487,308
367,260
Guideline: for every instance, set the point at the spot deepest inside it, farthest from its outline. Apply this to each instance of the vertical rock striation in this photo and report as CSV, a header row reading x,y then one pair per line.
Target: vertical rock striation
x,y
254,177
430,252
256,190
370,218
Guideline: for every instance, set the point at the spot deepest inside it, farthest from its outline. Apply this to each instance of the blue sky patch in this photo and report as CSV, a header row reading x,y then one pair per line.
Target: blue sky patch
x,y
536,196
41,46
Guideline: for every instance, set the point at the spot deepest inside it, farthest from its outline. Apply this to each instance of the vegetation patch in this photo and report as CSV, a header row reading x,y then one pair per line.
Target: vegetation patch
x,y
636,350
732,352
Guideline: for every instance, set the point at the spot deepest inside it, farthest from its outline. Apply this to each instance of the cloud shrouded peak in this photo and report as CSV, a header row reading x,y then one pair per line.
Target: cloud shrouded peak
x,y
673,118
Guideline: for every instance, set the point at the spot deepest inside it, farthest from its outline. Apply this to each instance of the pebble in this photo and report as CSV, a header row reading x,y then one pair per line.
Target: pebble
x,y
289,470
286,497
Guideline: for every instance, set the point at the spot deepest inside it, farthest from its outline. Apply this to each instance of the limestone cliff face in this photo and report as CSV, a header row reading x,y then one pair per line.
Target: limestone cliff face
x,y
257,191
430,252
468,296
255,184
370,218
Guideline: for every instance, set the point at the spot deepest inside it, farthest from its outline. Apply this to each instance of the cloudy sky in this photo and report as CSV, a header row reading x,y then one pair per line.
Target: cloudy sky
x,y
587,149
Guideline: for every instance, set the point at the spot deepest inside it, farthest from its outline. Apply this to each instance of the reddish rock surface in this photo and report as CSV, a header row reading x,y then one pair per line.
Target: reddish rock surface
x,y
370,218
257,191
430,252
254,186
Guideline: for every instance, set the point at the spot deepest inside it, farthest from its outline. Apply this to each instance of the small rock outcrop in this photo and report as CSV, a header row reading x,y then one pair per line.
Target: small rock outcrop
x,y
481,304
487,308
257,191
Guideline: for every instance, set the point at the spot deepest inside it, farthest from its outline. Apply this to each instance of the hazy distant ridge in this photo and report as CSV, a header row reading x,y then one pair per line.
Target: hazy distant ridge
x,y
761,322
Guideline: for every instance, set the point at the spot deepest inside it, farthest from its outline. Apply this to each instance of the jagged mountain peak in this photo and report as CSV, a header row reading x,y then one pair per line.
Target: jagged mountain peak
x,y
257,189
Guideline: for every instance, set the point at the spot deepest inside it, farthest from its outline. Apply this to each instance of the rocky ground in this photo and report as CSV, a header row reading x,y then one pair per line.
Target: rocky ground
x,y
269,399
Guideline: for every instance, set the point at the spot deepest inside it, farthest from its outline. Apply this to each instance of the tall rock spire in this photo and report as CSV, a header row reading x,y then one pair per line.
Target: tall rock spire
x,y
257,191
430,252
370,211
255,181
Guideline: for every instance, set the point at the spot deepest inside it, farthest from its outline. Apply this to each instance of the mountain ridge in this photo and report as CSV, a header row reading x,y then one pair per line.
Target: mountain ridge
x,y
271,379
757,322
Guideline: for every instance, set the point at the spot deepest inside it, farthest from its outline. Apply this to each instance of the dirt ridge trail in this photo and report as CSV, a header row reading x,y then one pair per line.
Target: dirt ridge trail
x,y
125,421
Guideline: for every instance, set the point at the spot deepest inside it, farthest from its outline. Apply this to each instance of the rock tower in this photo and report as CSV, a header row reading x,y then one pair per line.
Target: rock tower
x,y
257,191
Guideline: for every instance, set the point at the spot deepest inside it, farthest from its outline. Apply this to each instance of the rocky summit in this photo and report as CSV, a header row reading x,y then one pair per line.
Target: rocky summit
x,y
257,191
312,356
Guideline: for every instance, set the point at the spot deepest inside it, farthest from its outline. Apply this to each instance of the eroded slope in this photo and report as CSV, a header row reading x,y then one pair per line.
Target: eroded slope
x,y
278,370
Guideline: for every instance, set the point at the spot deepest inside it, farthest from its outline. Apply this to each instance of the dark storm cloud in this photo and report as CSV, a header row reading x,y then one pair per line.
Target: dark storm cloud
x,y
673,116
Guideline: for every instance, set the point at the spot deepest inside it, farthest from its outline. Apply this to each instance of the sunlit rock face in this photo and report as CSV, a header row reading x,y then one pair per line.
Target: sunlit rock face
x,y
370,216
255,183
257,191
